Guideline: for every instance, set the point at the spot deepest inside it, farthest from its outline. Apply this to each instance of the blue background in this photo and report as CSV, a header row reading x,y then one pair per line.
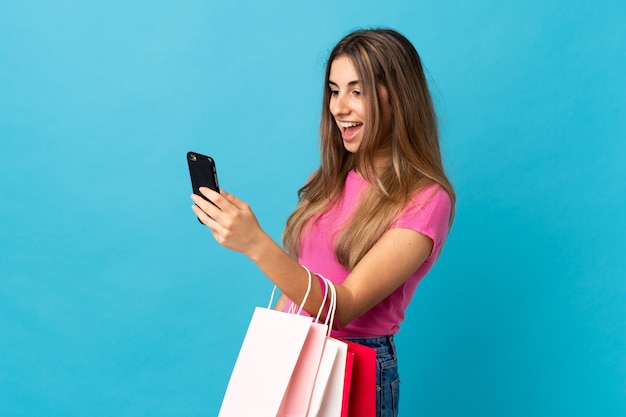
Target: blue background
x,y
115,302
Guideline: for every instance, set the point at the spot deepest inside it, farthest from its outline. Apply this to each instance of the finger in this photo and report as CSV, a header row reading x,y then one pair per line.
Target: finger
x,y
202,216
223,200
205,206
213,198
207,220
208,193
240,204
219,232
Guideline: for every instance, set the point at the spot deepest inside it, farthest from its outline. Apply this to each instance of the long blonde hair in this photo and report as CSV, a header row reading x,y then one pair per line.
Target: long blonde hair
x,y
383,59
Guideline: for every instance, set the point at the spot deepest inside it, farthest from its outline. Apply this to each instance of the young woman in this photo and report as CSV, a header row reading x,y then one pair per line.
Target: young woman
x,y
374,216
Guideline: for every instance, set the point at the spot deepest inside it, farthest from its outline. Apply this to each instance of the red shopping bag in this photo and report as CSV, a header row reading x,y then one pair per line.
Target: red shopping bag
x,y
362,395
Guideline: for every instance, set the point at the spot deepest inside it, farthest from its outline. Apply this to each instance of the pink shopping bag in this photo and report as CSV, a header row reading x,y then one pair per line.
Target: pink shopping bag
x,y
300,390
298,396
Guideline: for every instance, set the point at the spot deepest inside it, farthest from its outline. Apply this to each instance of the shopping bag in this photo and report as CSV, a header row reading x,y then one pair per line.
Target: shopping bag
x,y
362,395
300,390
265,363
327,362
359,389
333,395
328,390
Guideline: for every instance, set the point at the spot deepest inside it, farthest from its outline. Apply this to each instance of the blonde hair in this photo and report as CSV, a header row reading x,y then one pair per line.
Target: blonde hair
x,y
389,68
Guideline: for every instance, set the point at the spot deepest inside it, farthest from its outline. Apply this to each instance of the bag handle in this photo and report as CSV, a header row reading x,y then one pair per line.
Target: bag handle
x,y
332,312
308,290
332,307
322,280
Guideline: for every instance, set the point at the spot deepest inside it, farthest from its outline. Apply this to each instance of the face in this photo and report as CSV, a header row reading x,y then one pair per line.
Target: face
x,y
348,105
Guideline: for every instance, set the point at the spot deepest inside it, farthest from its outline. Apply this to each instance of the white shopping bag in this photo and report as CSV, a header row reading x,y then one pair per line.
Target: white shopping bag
x,y
266,361
328,389
333,396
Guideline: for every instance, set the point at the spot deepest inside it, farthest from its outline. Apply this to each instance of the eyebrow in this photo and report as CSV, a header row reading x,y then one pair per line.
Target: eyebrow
x,y
350,84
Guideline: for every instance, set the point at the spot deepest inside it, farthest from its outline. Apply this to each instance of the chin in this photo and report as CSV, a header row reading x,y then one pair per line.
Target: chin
x,y
351,147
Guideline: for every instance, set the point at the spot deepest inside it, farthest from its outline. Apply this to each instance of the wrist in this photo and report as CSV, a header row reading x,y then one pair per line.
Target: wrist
x,y
261,248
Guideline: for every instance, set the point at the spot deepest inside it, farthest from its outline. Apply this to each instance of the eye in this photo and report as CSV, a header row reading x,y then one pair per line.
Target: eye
x,y
334,92
357,93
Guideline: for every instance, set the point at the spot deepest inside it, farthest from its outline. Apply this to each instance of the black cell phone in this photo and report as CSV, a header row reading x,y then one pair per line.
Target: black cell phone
x,y
203,173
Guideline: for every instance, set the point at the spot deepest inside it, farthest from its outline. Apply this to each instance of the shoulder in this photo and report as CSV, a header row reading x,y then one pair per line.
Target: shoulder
x,y
429,199
428,212
433,192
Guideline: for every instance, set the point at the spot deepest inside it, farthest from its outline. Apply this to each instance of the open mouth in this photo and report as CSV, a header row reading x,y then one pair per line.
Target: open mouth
x,y
349,130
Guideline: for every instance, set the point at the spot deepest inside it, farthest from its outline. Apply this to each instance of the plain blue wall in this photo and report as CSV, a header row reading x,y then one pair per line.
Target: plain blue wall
x,y
115,302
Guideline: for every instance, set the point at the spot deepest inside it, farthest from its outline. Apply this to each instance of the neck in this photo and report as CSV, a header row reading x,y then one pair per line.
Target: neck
x,y
382,161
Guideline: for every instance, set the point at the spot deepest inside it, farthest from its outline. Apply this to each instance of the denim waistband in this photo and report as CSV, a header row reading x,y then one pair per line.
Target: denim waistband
x,y
382,344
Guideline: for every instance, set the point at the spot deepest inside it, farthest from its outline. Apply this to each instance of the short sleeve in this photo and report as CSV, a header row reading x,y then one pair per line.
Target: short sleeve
x,y
428,213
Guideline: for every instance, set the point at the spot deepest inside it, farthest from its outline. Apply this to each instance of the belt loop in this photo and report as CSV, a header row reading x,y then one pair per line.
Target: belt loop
x,y
392,345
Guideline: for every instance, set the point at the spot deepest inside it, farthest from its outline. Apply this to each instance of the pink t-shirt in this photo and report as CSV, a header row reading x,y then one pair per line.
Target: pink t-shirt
x,y
428,213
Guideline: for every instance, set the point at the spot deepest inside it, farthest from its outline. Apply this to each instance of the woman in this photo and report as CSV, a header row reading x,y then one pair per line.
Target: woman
x,y
374,216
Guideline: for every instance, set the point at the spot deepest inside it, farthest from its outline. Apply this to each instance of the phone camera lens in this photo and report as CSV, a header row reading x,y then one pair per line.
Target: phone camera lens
x,y
192,157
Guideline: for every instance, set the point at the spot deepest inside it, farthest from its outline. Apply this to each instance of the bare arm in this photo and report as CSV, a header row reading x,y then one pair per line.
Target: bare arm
x,y
397,254
280,304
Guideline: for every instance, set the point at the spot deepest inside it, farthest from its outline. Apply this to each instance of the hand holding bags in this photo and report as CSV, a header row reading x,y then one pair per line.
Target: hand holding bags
x,y
289,366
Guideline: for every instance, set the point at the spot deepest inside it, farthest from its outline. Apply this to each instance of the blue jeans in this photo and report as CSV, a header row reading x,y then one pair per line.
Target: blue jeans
x,y
387,378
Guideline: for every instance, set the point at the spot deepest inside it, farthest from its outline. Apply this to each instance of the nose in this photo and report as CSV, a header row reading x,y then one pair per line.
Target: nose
x,y
339,105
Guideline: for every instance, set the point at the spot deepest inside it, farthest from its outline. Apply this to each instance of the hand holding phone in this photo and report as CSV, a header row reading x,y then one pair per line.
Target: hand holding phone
x,y
234,226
